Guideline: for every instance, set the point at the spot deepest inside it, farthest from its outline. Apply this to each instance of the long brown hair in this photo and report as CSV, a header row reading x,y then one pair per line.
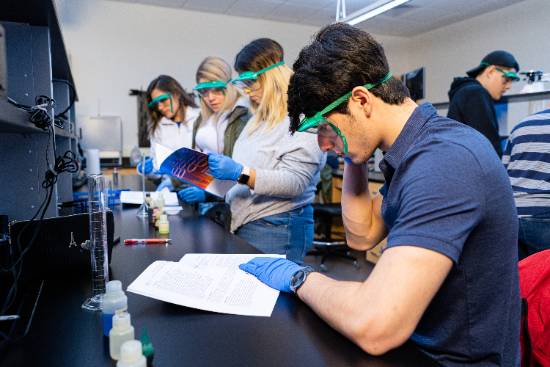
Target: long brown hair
x,y
170,85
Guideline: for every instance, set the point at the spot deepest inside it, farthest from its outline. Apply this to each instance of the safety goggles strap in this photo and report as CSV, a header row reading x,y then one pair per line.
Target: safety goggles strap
x,y
269,67
211,84
252,75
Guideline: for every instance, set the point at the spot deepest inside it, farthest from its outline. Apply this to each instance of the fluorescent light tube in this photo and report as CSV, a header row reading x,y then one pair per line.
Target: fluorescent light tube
x,y
372,10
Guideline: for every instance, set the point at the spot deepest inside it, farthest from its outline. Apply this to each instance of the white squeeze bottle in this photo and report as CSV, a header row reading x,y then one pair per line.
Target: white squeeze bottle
x,y
131,355
114,299
121,332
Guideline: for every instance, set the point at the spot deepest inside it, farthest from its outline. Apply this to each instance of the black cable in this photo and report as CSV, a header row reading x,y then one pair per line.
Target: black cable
x,y
39,114
17,266
65,163
41,118
72,98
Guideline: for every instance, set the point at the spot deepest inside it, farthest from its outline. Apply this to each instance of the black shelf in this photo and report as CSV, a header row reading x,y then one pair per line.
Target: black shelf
x,y
59,132
37,64
41,13
15,120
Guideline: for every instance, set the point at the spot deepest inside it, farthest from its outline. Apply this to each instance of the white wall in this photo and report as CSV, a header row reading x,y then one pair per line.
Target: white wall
x,y
522,29
117,46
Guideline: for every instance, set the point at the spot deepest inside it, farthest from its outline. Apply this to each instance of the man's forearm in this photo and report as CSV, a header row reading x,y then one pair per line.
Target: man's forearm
x,y
333,301
360,210
355,179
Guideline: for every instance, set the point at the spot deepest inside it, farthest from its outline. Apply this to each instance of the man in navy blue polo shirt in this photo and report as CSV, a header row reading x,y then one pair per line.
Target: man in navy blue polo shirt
x,y
448,279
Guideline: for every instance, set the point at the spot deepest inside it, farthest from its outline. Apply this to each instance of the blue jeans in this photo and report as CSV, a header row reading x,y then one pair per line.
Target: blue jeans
x,y
289,233
534,234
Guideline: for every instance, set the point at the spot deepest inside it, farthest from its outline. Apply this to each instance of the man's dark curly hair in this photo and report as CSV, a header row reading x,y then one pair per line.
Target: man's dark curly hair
x,y
340,58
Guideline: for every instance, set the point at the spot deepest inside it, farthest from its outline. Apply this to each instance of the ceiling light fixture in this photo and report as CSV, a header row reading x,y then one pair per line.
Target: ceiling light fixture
x,y
371,11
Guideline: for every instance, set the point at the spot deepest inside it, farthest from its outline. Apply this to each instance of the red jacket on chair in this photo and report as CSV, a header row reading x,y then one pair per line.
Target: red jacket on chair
x,y
534,280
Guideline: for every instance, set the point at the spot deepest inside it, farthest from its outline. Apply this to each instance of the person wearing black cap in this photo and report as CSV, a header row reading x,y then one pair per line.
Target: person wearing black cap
x,y
472,97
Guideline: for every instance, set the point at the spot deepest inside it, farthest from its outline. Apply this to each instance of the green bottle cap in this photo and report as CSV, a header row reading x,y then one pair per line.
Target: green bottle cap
x,y
146,345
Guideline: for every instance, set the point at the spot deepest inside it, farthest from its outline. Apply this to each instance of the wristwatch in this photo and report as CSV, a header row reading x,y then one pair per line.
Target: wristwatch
x,y
245,176
299,278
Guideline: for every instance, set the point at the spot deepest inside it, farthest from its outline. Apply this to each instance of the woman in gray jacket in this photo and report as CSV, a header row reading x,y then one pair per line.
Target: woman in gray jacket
x,y
276,173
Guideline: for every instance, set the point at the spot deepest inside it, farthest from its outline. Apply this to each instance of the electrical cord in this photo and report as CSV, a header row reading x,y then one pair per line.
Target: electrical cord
x,y
65,163
72,98
38,114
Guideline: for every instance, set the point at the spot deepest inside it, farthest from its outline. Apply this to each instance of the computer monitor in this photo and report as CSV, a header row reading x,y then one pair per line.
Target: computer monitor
x,y
414,80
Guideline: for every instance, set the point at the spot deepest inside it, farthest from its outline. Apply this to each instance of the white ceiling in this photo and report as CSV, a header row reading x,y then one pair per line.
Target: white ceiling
x,y
410,19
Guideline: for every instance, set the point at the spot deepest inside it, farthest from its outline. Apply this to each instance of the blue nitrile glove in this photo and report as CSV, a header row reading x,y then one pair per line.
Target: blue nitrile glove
x,y
192,195
166,182
148,166
273,271
223,167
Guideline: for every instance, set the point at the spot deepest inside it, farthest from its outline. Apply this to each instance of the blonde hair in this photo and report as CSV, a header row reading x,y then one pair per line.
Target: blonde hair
x,y
273,105
215,68
257,55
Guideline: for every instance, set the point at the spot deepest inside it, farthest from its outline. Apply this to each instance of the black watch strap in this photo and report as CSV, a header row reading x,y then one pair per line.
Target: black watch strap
x,y
299,278
244,177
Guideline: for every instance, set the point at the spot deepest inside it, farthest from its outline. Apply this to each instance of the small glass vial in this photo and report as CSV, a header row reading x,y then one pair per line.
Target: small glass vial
x,y
121,332
164,225
115,177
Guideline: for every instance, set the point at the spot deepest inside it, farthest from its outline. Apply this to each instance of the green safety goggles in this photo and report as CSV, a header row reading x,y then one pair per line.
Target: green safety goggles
x,y
216,86
163,97
317,123
247,78
510,75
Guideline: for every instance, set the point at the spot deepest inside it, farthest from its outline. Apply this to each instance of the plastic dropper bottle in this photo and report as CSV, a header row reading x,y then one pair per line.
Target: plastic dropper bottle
x,y
131,356
113,300
121,332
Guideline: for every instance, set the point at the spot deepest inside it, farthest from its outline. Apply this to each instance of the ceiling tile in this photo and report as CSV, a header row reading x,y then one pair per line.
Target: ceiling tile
x,y
314,3
321,17
417,16
253,8
290,12
423,15
165,3
214,6
355,5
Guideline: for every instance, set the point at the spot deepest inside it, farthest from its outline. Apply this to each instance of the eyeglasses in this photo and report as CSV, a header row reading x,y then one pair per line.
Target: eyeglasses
x,y
159,99
510,76
314,123
327,130
248,78
254,87
216,87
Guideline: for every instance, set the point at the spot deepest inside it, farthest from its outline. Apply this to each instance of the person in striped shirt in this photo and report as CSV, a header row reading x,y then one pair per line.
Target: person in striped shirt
x,y
527,160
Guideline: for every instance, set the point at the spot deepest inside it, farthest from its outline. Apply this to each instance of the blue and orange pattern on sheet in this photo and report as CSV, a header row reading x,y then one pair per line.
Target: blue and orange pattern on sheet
x,y
189,166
